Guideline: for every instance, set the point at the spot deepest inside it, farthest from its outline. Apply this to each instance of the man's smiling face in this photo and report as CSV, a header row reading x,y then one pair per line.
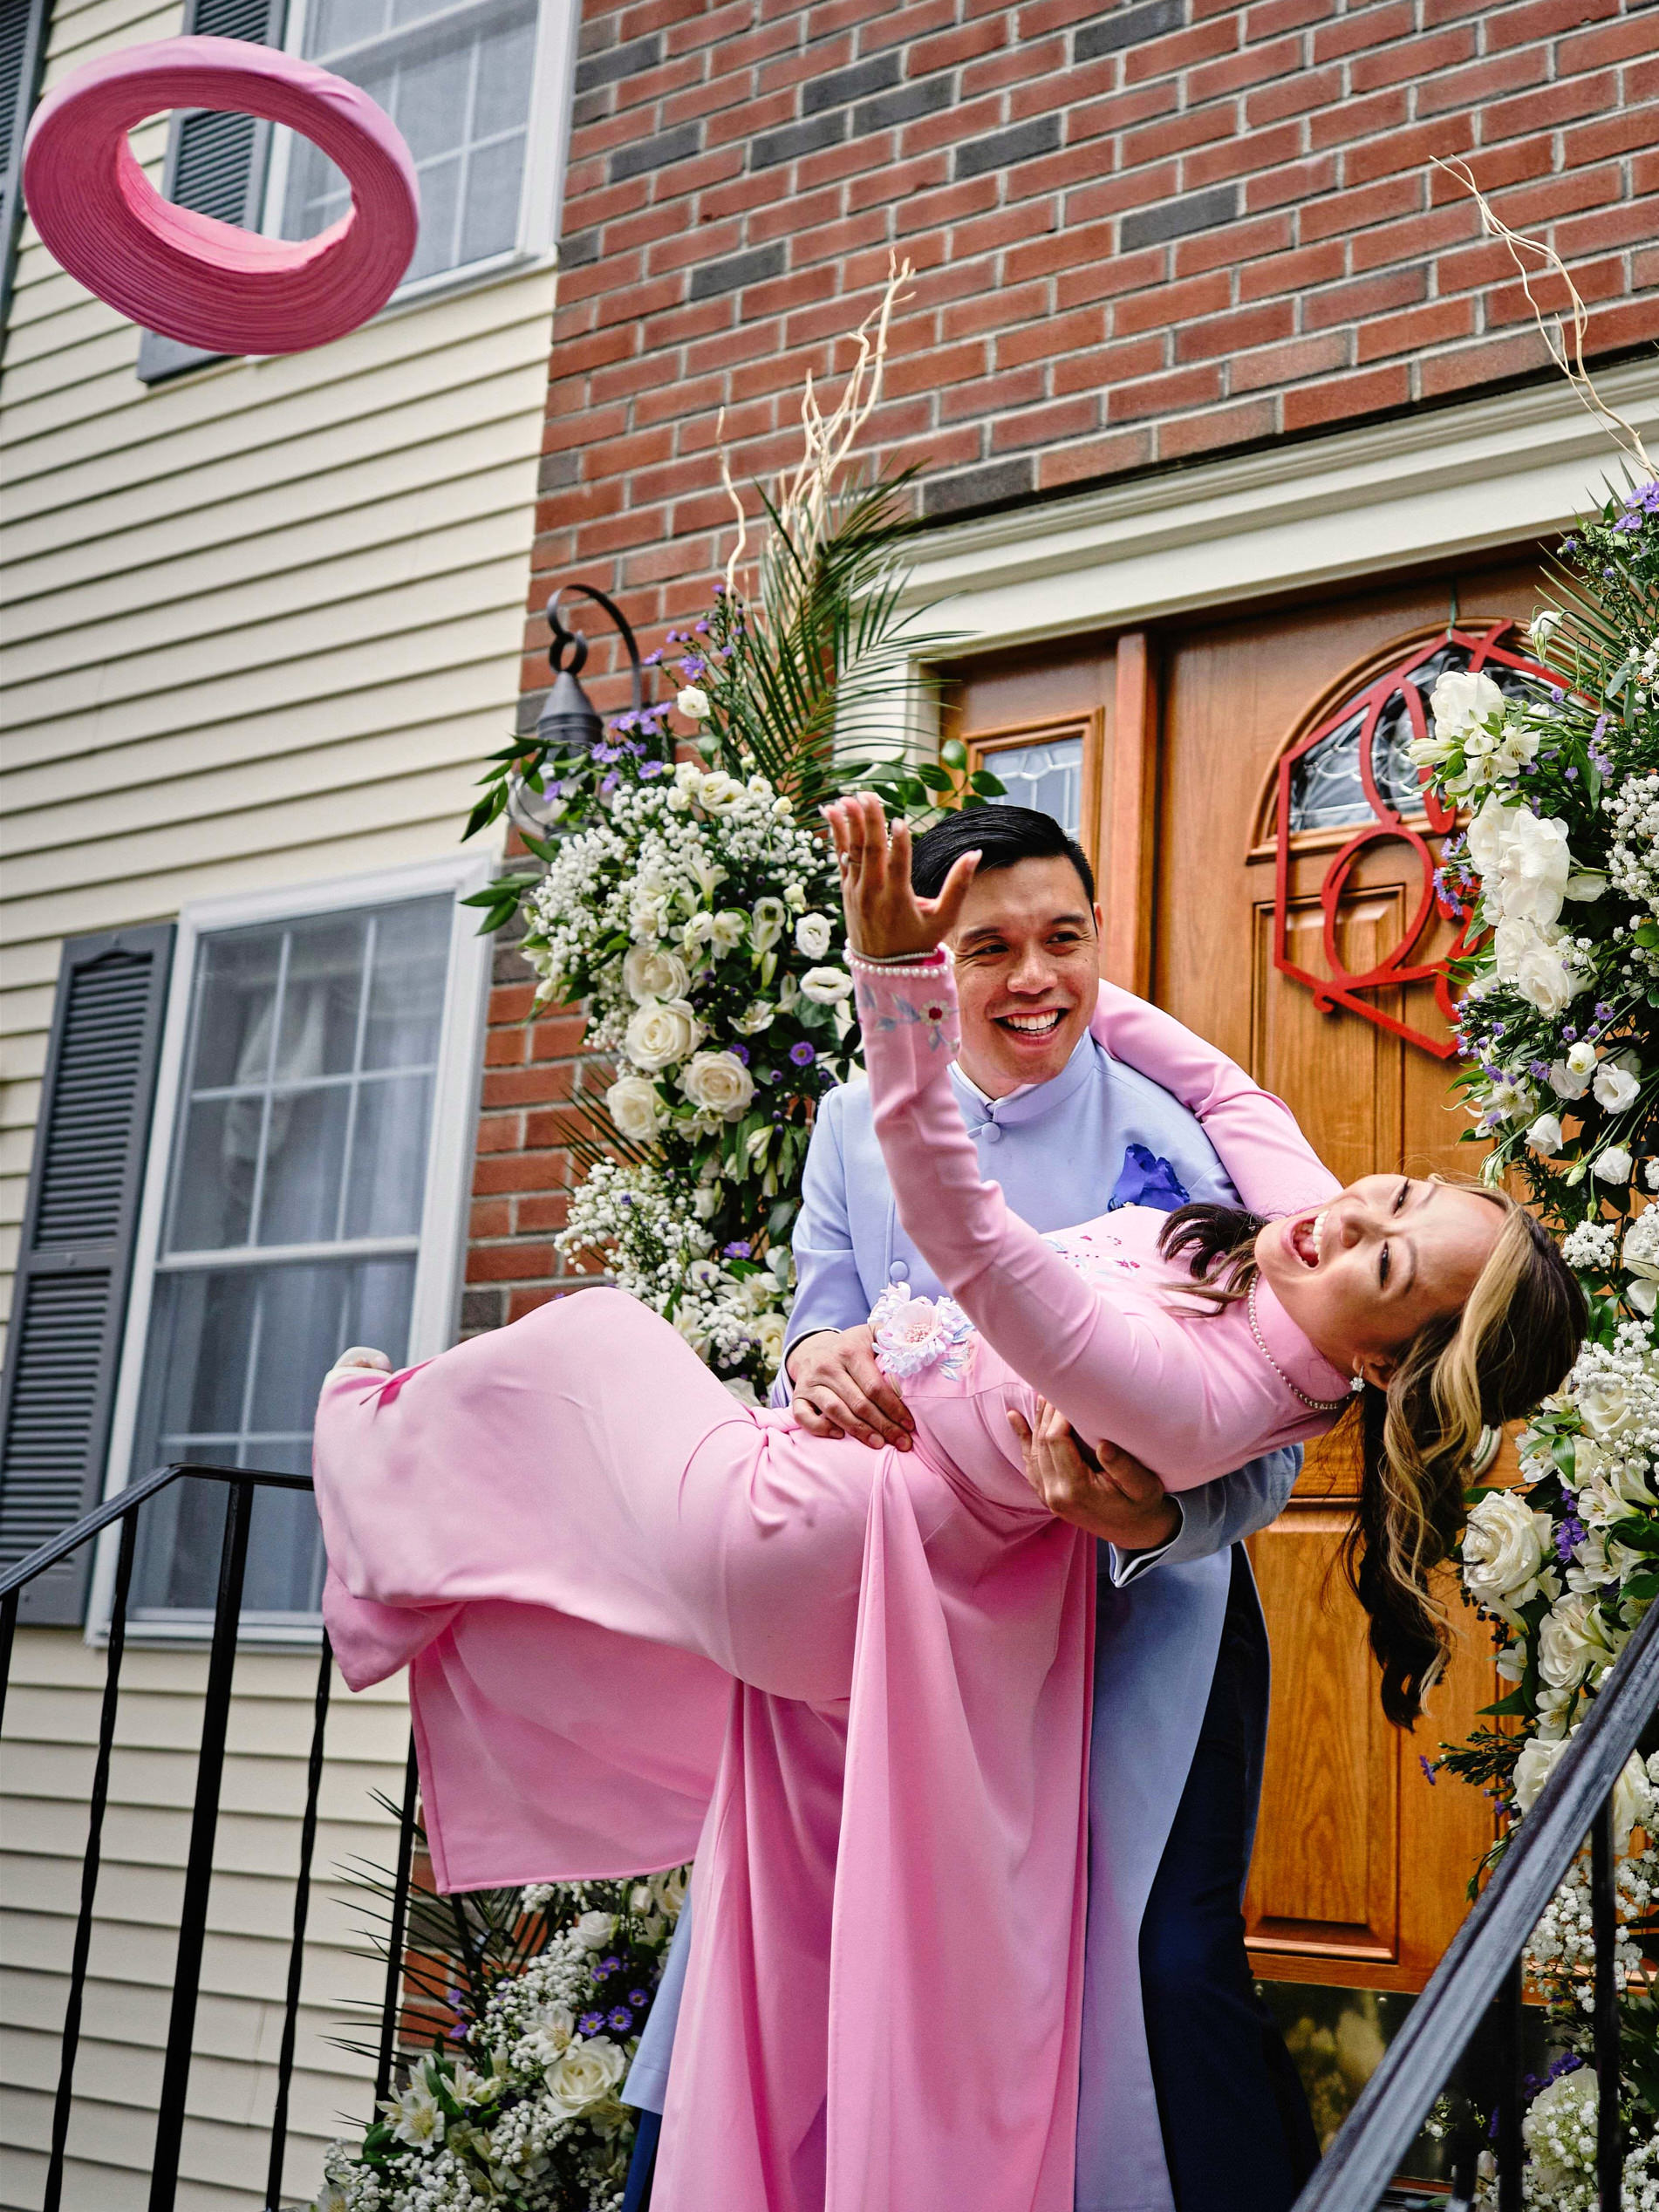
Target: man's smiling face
x,y
1026,953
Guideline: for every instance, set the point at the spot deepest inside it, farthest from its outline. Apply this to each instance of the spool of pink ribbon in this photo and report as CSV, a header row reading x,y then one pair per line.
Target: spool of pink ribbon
x,y
190,277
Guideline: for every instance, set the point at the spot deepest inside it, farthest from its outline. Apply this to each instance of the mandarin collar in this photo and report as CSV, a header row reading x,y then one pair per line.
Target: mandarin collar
x,y
1032,1101
1307,1367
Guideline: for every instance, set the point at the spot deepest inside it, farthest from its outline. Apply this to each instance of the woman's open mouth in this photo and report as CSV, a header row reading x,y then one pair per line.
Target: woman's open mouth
x,y
1304,1237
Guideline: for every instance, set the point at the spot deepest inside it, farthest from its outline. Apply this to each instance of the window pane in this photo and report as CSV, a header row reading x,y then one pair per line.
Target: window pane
x,y
1047,776
389,1158
409,973
304,1158
233,1365
214,1198
236,1001
321,999
460,95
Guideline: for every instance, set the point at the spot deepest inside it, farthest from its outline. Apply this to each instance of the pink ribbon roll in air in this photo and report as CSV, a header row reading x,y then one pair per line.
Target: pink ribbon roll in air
x,y
189,276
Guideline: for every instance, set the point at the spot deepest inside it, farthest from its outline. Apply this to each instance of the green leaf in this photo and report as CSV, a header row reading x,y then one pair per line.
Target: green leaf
x,y
1514,1706
986,785
953,752
935,778
1563,1453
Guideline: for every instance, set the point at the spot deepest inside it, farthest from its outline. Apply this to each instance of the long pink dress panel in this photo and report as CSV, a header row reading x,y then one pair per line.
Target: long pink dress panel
x,y
642,1621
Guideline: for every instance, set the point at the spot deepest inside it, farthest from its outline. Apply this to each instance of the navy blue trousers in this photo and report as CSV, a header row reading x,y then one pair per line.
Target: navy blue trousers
x,y
1237,2132
1238,2135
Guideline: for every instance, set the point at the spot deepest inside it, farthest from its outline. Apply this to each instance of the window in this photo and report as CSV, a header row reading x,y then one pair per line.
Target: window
x,y
1041,768
313,1159
459,81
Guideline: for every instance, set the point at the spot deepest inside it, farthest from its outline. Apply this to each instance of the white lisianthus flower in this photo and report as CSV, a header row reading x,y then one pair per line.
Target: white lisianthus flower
x,y
796,898
1615,1165
1568,1645
825,987
694,704
1545,1136
1502,1553
1615,1087
718,1082
720,793
767,925
1568,1082
814,934
729,930
634,1105
1461,700
655,972
661,1032
1533,1771
1527,955
585,2075
769,1330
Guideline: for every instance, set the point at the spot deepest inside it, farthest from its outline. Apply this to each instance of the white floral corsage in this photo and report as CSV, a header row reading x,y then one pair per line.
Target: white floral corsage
x,y
913,1334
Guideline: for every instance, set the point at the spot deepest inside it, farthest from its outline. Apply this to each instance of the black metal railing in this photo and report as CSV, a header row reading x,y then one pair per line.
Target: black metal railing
x,y
1482,1971
240,1484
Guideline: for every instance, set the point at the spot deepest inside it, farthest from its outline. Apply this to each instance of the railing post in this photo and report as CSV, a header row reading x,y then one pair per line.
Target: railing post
x,y
198,1873
392,2007
1507,2143
1604,1929
297,1948
81,1952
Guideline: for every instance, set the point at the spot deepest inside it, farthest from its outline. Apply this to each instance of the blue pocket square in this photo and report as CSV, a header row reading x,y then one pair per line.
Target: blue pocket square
x,y
1146,1180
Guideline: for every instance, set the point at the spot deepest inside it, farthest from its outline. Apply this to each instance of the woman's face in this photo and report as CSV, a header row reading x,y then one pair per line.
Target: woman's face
x,y
1360,1276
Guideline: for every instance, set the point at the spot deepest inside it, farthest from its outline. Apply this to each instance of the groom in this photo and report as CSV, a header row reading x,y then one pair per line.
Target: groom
x,y
1189,2101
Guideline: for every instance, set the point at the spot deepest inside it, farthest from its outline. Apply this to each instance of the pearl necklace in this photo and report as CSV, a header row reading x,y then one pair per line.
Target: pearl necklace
x,y
1313,1405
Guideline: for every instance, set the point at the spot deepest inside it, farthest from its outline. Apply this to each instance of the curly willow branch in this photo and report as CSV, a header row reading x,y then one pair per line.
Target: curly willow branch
x,y
1565,350
805,500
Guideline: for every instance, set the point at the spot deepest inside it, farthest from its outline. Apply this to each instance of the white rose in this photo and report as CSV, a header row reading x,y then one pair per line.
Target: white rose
x,y
1615,1165
1523,955
1615,1087
826,985
769,1330
1566,1649
1604,1401
694,704
1545,1136
595,1929
1503,1550
660,1031
814,934
721,794
669,1889
655,972
1533,1771
634,1105
585,2075
1463,700
767,925
718,1082
1522,863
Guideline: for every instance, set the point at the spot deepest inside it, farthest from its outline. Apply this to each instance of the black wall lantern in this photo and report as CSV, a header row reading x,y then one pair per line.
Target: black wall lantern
x,y
569,722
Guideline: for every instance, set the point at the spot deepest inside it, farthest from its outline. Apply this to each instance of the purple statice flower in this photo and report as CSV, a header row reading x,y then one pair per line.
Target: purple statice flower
x,y
1568,1536
621,2019
1539,1070
739,1250
700,628
1429,1774
1569,545
1572,774
802,1054
458,2033
590,2023
1600,724
1556,693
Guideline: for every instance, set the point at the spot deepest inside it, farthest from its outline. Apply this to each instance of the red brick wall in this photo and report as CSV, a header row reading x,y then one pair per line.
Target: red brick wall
x,y
1141,233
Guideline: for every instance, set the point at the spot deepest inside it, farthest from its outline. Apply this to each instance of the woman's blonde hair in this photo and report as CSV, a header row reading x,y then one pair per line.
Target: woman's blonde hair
x,y
1510,1344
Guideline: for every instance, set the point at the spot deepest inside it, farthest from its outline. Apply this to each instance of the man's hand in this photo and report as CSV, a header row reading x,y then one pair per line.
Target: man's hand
x,y
885,917
1110,1495
840,1391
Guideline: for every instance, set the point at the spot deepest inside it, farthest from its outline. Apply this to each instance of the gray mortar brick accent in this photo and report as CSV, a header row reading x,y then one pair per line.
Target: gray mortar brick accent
x,y
738,269
655,152
1003,149
773,146
925,97
1126,27
842,87
1178,218
621,61
984,486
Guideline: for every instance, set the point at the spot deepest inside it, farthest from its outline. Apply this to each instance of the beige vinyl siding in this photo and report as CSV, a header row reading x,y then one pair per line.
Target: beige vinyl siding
x,y
50,1736
257,626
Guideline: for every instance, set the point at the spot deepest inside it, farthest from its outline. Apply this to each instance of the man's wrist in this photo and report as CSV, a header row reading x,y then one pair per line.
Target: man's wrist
x,y
789,1357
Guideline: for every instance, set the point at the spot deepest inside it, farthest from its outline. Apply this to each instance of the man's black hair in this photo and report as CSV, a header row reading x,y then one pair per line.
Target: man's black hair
x,y
1004,835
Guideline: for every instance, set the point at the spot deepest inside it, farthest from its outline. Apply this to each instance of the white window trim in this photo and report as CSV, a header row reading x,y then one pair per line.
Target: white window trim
x,y
547,144
451,1145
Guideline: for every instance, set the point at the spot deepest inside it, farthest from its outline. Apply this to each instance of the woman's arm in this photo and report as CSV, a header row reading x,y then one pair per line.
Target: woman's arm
x,y
1273,1167
1141,1379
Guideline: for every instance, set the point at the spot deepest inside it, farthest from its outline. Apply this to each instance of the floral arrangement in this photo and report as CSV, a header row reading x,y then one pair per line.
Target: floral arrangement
x,y
1556,879
517,2105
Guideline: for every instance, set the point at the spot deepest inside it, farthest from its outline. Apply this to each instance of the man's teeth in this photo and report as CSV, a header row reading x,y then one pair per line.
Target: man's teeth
x,y
1319,1234
1033,1024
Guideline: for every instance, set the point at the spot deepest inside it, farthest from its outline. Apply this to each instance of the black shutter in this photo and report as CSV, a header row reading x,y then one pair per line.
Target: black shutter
x,y
70,1300
23,54
215,162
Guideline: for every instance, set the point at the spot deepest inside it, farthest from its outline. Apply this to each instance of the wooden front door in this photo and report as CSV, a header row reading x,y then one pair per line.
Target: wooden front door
x,y
1361,1861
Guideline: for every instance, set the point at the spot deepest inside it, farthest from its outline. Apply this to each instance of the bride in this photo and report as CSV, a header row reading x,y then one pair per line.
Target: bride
x,y
644,1622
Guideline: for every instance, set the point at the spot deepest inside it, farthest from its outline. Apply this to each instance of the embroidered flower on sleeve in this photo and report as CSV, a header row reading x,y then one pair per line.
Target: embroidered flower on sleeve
x,y
913,1333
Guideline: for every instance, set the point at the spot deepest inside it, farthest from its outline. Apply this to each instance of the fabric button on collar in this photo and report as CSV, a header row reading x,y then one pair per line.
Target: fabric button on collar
x,y
899,1271
991,1133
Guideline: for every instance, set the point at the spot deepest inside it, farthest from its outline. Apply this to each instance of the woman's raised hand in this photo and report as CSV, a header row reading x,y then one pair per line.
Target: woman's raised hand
x,y
886,920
